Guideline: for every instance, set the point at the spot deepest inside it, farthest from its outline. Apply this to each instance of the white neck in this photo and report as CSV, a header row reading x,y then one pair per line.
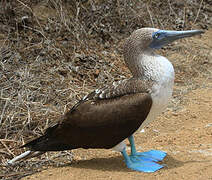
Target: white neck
x,y
150,66
156,68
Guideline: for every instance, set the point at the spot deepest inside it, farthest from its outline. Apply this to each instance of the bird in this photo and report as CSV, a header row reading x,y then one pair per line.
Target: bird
x,y
107,116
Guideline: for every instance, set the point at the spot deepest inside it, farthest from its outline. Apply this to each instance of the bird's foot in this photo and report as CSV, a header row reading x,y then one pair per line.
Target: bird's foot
x,y
139,164
144,166
151,156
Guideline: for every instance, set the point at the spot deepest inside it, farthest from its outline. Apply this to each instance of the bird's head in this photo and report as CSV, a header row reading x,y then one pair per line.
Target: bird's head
x,y
143,41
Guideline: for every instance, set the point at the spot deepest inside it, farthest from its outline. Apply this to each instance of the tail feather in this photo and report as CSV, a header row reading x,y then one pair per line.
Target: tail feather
x,y
48,142
25,155
39,146
34,144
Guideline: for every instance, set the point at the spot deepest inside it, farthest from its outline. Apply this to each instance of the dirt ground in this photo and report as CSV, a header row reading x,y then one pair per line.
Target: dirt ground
x,y
184,131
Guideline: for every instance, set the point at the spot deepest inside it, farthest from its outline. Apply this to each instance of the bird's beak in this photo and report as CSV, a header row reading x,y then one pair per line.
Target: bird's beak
x,y
174,35
163,37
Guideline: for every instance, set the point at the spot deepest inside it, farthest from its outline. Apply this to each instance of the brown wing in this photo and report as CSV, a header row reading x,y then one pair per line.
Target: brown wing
x,y
96,124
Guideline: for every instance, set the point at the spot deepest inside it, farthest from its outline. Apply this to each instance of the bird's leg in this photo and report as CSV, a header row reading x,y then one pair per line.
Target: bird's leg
x,y
152,155
143,166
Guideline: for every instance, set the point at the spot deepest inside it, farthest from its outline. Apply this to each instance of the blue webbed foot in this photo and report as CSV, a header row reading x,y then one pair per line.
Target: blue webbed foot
x,y
140,165
152,155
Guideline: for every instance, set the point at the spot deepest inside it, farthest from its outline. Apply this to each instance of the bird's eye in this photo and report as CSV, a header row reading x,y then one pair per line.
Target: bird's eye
x,y
157,35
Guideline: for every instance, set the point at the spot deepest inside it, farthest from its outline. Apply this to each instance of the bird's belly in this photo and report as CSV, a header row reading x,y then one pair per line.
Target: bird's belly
x,y
160,101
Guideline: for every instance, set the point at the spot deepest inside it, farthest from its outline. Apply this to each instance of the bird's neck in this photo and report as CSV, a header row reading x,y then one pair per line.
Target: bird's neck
x,y
137,62
148,65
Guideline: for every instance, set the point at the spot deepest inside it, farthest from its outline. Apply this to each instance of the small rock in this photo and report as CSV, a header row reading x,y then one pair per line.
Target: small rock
x,y
155,130
142,131
209,125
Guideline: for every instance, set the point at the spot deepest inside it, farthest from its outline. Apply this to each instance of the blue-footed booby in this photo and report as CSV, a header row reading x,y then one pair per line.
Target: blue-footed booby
x,y
107,116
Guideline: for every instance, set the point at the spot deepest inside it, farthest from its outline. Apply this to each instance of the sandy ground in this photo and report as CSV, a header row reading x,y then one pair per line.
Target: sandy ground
x,y
186,135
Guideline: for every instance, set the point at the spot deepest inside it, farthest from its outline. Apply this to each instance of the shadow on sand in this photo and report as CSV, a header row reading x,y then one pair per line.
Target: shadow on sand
x,y
116,163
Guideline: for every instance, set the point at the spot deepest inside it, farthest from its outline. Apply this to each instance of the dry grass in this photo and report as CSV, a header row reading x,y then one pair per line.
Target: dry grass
x,y
54,52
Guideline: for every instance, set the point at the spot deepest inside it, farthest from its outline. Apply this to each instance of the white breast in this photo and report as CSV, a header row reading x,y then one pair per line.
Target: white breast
x,y
163,75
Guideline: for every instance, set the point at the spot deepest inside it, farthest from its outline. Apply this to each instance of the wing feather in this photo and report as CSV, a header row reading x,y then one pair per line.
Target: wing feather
x,y
96,124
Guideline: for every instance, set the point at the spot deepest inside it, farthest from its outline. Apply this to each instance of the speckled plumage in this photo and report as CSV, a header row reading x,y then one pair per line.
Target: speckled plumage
x,y
122,87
